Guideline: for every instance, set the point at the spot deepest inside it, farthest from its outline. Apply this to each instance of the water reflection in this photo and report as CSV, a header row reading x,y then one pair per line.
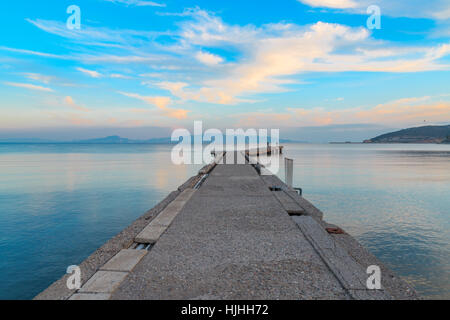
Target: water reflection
x,y
393,198
58,203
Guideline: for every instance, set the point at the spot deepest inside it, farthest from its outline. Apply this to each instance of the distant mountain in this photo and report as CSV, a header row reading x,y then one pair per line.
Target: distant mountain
x,y
120,140
426,134
115,140
25,140
106,140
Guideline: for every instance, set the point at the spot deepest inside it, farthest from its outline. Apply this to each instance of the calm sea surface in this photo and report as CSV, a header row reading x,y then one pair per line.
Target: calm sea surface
x,y
58,203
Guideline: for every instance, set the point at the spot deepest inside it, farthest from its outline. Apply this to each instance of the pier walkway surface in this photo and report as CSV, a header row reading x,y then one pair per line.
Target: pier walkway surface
x,y
233,237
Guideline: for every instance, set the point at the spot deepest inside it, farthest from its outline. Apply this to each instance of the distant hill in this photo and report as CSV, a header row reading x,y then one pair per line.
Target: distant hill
x,y
120,140
25,140
105,140
426,134
113,140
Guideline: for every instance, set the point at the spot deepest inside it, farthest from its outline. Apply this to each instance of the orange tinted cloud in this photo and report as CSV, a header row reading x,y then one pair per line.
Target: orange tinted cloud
x,y
402,111
161,103
276,52
74,119
28,86
71,103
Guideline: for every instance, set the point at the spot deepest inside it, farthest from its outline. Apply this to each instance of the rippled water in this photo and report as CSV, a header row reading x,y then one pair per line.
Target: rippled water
x,y
395,199
58,203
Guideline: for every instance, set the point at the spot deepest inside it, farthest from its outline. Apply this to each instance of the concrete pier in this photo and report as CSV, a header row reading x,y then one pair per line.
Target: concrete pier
x,y
234,237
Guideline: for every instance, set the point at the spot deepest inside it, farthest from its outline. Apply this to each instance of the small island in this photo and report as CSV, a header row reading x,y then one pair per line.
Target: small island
x,y
425,134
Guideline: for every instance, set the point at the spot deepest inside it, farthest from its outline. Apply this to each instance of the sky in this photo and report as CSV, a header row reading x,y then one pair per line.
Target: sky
x,y
304,66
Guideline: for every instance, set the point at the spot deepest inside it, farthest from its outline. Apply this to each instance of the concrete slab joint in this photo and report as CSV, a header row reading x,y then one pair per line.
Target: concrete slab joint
x,y
161,223
349,273
125,260
103,282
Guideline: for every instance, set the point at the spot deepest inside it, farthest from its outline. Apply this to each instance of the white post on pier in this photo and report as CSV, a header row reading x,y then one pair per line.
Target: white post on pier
x,y
288,171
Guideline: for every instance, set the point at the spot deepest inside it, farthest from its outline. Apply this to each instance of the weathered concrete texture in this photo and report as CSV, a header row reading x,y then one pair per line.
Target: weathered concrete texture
x,y
151,234
59,291
232,240
310,210
288,203
90,296
234,158
166,217
394,285
125,260
159,225
103,282
185,196
234,180
190,183
350,274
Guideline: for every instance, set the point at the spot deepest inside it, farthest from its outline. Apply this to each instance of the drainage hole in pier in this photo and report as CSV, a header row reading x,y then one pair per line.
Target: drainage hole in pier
x,y
294,213
143,246
275,188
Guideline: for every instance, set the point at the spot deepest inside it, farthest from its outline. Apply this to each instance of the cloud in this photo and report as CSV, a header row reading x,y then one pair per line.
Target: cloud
x,y
28,86
101,45
270,57
409,110
38,77
119,76
34,53
207,29
91,73
138,3
119,59
405,112
442,14
275,52
97,36
208,58
340,4
71,103
161,103
431,9
205,94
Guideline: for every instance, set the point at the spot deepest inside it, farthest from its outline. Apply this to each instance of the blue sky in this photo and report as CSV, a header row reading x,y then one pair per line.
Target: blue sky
x,y
278,64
